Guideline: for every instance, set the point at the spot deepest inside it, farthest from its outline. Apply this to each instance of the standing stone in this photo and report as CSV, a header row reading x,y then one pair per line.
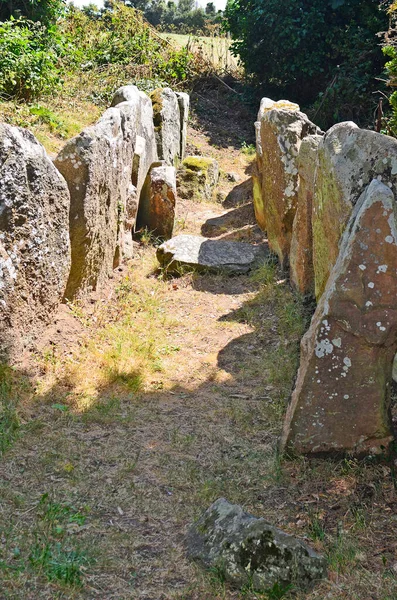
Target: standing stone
x,y
167,125
249,551
281,133
301,258
145,147
126,93
267,104
97,166
341,399
34,238
184,104
157,205
349,159
146,132
198,177
257,193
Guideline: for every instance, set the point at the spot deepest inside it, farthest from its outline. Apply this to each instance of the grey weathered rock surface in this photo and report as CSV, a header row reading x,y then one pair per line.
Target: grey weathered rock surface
x,y
184,105
34,237
342,395
280,134
145,147
301,253
97,165
167,125
215,255
126,93
198,177
157,204
349,158
248,550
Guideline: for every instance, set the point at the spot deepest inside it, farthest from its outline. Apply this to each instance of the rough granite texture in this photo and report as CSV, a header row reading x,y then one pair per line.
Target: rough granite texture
x,y
349,158
157,205
301,253
191,251
198,177
145,147
97,165
167,125
281,133
184,105
341,400
34,238
248,550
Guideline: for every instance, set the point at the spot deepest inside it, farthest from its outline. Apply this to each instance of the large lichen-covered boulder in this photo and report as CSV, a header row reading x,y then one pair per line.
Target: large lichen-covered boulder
x,y
167,125
281,132
34,238
184,105
194,252
157,204
198,177
301,254
349,158
97,166
248,550
341,400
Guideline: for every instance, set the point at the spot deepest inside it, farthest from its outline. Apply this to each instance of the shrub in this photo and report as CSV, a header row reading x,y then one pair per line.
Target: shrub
x,y
28,59
304,48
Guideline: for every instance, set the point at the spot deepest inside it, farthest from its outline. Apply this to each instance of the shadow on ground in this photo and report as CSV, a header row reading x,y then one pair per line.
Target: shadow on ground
x,y
215,108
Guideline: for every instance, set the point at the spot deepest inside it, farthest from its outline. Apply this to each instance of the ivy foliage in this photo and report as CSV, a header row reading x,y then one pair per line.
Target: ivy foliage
x,y
317,52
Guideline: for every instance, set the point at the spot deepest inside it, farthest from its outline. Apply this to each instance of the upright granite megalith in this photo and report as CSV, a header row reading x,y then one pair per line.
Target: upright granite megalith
x,y
167,125
97,166
349,158
301,254
341,400
279,135
34,238
157,205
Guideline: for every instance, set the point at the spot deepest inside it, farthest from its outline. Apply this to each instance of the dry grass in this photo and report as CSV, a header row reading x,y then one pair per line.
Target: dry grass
x,y
214,49
175,399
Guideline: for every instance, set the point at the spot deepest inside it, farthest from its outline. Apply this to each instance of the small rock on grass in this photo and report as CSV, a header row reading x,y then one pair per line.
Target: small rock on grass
x,y
246,550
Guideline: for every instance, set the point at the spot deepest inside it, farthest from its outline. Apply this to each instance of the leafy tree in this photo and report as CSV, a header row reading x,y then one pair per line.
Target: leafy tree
x,y
45,11
323,51
185,6
210,8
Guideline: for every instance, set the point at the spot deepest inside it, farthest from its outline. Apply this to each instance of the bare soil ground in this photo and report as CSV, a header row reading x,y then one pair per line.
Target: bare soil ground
x,y
150,401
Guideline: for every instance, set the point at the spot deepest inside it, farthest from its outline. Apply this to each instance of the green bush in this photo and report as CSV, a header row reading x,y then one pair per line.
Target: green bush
x,y
390,51
45,11
312,51
28,59
121,36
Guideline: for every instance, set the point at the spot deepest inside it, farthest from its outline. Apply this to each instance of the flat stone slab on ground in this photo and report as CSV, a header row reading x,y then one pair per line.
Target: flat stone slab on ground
x,y
204,254
249,550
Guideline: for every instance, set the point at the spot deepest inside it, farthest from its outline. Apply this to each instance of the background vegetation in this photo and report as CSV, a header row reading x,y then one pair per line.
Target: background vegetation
x,y
40,49
324,54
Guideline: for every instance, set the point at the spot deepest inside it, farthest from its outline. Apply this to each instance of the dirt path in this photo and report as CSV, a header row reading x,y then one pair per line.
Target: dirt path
x,y
170,396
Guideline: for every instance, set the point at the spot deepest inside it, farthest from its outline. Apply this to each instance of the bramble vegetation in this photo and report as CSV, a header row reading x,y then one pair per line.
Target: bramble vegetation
x,y
36,57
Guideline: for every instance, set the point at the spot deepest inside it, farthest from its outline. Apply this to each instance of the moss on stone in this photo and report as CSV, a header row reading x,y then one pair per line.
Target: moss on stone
x,y
198,163
198,177
330,216
259,206
157,104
